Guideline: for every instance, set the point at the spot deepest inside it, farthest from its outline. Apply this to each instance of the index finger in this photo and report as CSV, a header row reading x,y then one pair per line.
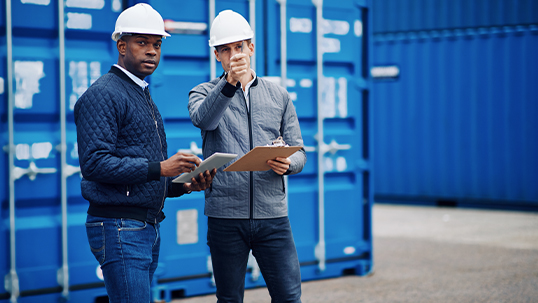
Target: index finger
x,y
194,159
238,57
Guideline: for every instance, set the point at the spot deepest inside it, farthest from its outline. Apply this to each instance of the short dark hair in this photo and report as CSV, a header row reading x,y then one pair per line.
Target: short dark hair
x,y
248,43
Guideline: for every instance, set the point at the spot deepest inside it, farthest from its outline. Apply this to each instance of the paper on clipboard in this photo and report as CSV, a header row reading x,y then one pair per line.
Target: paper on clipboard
x,y
216,160
255,160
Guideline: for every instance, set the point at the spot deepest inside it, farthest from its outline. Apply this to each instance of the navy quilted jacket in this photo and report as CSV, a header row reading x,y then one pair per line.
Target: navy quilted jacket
x,y
121,142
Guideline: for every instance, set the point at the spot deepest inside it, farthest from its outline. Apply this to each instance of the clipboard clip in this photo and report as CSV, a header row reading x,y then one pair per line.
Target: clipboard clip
x,y
278,142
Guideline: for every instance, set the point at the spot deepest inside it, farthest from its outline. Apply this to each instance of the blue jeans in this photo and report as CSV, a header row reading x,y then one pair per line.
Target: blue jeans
x,y
128,252
271,241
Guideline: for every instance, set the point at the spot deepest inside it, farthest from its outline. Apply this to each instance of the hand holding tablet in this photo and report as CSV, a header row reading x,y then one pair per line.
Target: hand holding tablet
x,y
214,161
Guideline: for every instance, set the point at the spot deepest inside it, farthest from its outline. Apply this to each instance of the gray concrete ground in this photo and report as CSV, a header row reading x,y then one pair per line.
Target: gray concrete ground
x,y
427,254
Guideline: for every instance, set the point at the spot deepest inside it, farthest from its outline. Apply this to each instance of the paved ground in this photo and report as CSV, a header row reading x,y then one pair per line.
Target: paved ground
x,y
426,254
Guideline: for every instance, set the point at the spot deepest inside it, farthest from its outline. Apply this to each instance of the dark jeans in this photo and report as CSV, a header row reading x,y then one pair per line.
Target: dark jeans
x,y
271,241
128,252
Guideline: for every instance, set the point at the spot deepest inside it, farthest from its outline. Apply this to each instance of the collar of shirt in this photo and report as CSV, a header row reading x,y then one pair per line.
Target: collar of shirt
x,y
142,83
247,88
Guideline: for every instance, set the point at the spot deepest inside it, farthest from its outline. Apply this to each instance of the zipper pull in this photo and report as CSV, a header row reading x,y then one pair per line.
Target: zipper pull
x,y
128,190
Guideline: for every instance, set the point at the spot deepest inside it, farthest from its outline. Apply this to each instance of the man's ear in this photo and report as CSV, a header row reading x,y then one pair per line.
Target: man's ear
x,y
216,55
251,49
121,45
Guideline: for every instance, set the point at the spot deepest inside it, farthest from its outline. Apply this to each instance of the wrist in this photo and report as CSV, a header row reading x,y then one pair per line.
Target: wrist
x,y
231,80
187,191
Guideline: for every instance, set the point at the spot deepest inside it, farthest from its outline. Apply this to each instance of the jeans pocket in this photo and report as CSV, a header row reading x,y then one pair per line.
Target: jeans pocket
x,y
132,225
96,239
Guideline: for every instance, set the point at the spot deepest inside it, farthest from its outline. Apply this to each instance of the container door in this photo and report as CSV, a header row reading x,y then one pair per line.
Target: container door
x,y
323,62
43,239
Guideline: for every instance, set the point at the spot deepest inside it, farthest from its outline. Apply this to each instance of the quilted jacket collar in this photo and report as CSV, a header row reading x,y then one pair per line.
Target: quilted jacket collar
x,y
118,72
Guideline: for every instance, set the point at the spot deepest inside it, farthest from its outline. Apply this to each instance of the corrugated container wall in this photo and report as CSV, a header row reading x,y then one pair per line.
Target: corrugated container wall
x,y
454,88
51,54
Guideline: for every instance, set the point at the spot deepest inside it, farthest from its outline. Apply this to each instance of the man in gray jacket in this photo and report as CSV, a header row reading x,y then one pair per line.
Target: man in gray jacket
x,y
247,210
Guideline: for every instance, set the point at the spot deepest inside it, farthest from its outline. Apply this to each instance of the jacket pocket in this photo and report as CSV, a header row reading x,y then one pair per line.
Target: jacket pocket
x,y
283,184
96,239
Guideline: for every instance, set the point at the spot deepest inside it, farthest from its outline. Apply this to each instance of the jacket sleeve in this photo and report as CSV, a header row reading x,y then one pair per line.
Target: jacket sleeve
x,y
98,117
175,189
207,104
292,135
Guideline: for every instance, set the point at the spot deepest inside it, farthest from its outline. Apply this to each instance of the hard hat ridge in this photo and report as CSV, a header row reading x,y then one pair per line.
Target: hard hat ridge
x,y
139,19
229,27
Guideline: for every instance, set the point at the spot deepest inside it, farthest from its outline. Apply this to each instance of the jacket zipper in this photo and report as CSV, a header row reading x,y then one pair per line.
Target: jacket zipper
x,y
249,110
161,146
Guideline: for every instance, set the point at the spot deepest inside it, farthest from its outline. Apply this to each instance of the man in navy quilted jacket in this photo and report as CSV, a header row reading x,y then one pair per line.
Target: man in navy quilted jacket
x,y
127,174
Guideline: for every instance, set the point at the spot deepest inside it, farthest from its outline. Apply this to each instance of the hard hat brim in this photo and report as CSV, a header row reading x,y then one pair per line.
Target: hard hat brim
x,y
116,34
227,40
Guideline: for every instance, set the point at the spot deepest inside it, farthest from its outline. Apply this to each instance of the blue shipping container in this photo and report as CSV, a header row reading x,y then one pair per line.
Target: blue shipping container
x,y
455,117
44,252
324,63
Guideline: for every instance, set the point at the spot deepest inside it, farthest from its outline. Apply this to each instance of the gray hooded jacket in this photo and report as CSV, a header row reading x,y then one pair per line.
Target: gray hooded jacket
x,y
219,109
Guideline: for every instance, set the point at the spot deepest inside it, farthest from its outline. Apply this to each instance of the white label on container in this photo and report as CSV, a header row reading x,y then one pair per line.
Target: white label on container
x,y
27,76
358,28
337,27
41,150
95,71
300,25
334,97
341,164
1,85
79,21
290,82
74,151
328,97
182,27
349,250
91,4
22,151
37,2
334,164
306,83
187,226
342,97
390,71
116,6
293,96
330,45
82,78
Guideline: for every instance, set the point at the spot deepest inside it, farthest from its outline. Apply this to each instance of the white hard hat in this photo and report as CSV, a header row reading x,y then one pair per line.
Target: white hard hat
x,y
139,19
229,27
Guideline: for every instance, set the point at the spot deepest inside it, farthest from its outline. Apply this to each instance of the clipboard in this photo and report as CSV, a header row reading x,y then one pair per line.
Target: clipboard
x,y
216,160
255,160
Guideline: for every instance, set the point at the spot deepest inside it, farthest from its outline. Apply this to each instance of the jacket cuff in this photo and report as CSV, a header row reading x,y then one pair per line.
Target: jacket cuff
x,y
154,171
229,90
176,190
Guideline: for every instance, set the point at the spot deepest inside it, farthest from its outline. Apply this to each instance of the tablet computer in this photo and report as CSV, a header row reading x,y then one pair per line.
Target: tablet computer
x,y
216,160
